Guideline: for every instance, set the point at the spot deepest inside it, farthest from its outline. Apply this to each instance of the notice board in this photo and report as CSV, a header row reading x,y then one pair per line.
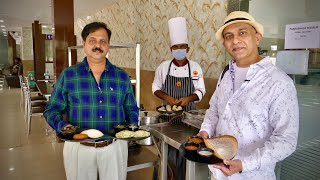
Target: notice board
x,y
302,35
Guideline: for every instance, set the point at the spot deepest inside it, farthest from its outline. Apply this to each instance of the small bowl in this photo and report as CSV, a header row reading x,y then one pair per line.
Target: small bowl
x,y
132,127
205,154
119,127
191,147
196,139
68,134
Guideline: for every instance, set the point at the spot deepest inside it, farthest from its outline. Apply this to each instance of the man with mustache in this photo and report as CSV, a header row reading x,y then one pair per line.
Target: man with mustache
x,y
98,95
254,101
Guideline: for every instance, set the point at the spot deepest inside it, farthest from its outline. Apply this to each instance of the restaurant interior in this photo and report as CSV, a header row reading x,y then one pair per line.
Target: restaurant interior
x,y
30,149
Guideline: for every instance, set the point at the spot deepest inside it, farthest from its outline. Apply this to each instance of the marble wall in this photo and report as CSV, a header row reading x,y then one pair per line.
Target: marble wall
x,y
26,44
146,22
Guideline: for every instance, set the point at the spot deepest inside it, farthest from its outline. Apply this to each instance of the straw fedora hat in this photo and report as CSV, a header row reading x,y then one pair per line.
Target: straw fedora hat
x,y
239,16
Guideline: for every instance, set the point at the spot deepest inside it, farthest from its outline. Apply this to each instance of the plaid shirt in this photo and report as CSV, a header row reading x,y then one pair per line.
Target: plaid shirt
x,y
89,105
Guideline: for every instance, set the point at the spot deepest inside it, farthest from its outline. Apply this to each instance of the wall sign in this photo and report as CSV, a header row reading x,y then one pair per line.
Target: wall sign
x,y
302,35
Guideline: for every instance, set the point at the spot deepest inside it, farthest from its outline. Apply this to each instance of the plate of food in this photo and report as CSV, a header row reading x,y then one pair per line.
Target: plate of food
x,y
211,150
132,135
81,134
168,109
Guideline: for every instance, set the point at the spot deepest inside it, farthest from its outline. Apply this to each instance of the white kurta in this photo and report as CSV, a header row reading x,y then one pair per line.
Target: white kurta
x,y
262,114
196,74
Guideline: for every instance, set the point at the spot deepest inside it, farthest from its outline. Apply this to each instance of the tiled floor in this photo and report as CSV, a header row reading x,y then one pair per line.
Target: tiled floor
x,y
37,156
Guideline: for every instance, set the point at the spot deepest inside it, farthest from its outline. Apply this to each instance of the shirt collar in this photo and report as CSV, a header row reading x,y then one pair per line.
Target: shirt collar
x,y
84,66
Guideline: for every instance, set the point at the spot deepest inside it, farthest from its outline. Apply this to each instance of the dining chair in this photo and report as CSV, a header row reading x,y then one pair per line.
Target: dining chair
x,y
34,108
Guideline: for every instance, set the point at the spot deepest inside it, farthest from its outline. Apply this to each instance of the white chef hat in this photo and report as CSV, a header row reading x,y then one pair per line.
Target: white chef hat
x,y
178,30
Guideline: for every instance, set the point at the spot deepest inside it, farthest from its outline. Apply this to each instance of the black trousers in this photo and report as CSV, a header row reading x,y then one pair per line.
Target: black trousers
x,y
177,163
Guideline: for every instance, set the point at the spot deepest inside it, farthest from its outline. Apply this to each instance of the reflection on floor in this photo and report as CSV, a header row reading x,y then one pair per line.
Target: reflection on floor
x,y
39,156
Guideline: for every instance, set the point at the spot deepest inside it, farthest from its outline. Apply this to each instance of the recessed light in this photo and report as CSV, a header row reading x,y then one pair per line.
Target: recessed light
x,y
2,26
4,30
44,26
11,169
1,20
10,149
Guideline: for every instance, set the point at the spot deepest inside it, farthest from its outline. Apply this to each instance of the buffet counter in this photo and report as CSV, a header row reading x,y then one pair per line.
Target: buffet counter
x,y
175,135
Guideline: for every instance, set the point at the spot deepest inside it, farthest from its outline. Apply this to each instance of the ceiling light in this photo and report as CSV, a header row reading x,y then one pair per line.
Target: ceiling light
x,y
4,30
4,35
1,20
44,26
2,26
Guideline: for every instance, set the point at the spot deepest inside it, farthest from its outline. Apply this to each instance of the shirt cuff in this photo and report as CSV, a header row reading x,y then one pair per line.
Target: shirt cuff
x,y
199,94
61,125
247,165
208,131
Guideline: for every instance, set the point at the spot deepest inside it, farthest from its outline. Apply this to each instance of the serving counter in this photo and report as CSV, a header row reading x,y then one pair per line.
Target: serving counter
x,y
175,135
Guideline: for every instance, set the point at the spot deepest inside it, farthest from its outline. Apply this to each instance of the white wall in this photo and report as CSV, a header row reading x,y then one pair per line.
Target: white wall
x,y
275,14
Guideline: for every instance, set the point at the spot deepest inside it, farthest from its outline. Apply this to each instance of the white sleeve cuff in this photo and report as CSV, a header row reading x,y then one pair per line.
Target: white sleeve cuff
x,y
199,94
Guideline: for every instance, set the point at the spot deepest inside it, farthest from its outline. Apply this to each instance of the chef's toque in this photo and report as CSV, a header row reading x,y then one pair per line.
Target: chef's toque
x,y
178,30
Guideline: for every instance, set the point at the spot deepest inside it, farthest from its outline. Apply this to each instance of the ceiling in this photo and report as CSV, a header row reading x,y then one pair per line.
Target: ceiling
x,y
22,13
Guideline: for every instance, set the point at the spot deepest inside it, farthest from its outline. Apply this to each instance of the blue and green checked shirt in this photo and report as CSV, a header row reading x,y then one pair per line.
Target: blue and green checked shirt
x,y
89,105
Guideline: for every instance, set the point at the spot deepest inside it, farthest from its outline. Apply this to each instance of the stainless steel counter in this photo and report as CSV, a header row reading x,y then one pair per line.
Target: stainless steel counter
x,y
175,135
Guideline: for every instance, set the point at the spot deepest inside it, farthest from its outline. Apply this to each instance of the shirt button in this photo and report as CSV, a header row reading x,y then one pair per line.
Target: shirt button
x,y
100,117
100,102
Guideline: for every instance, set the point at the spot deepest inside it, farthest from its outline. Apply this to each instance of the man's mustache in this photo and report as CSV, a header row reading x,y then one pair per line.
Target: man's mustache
x,y
97,49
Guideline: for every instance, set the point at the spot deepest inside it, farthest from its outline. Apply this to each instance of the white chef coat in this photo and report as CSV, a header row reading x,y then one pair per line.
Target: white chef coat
x,y
196,74
262,114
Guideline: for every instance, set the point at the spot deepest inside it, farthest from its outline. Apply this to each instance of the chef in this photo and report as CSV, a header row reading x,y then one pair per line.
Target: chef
x,y
178,81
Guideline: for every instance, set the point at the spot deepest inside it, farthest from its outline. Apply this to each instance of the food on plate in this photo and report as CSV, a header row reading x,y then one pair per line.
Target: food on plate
x,y
125,134
168,107
224,147
141,133
191,147
206,152
196,139
92,133
80,136
133,127
162,108
120,126
174,107
69,131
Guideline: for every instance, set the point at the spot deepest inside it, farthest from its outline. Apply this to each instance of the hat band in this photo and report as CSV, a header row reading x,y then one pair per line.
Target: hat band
x,y
235,19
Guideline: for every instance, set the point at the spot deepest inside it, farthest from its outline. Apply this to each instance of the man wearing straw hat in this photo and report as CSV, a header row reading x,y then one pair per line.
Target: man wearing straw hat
x,y
254,101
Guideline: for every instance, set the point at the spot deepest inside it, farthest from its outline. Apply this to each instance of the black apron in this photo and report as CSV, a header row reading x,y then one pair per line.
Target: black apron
x,y
179,87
